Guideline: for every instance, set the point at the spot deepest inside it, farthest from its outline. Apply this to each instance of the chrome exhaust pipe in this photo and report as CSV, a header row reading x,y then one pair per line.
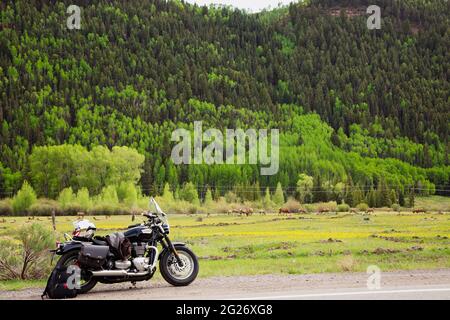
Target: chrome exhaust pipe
x,y
117,273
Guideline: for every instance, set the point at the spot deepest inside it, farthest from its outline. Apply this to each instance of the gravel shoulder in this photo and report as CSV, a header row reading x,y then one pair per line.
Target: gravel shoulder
x,y
254,286
247,286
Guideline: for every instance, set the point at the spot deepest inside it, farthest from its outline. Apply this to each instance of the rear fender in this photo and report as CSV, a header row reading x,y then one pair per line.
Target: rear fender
x,y
66,247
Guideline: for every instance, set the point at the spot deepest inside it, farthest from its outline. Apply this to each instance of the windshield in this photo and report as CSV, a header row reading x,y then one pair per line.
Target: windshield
x,y
158,211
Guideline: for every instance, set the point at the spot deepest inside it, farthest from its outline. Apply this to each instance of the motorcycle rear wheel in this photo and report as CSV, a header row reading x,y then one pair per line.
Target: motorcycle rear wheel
x,y
71,258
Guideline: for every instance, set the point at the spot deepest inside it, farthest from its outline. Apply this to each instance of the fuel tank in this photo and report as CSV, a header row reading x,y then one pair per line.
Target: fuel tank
x,y
138,234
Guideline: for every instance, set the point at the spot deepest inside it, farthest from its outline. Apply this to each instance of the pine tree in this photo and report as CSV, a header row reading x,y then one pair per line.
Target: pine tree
x,y
318,192
393,197
401,198
278,197
372,198
167,194
208,198
267,202
349,195
256,191
384,194
411,198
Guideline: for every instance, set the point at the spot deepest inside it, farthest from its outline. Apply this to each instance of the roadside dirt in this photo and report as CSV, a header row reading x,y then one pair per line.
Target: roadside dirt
x,y
242,286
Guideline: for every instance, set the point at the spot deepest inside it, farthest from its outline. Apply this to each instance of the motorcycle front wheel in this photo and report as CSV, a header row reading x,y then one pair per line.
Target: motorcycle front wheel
x,y
178,275
86,281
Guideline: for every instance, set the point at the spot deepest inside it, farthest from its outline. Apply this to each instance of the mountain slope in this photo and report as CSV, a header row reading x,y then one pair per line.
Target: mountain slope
x,y
139,69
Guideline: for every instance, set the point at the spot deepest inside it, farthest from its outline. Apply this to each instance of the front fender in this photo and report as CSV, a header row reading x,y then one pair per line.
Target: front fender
x,y
175,244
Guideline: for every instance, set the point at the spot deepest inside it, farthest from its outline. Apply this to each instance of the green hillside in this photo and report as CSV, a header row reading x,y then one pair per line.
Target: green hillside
x,y
358,110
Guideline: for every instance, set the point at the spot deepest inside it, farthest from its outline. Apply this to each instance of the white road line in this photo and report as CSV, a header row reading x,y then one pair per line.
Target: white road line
x,y
351,293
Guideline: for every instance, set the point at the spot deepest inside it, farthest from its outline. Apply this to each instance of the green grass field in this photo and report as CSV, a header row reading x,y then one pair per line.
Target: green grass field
x,y
297,244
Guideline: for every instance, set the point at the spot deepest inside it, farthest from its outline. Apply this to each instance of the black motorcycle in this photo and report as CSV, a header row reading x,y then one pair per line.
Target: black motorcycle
x,y
130,256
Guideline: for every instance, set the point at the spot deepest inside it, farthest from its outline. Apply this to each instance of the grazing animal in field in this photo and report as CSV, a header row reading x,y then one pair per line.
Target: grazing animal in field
x,y
246,211
262,212
353,210
370,210
419,210
300,211
323,210
283,211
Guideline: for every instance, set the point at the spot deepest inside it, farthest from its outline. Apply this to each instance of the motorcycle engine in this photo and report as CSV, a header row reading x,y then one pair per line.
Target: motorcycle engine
x,y
122,264
141,263
139,249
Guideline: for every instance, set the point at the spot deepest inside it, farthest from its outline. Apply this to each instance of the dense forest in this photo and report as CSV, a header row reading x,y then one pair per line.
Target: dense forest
x,y
357,109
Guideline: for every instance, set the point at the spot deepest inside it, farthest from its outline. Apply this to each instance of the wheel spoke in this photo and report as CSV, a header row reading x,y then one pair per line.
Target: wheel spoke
x,y
181,272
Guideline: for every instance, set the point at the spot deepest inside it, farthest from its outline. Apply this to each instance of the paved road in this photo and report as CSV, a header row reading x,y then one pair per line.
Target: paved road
x,y
417,285
389,293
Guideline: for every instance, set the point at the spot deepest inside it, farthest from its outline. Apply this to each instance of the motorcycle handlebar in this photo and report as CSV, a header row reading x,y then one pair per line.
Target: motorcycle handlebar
x,y
151,216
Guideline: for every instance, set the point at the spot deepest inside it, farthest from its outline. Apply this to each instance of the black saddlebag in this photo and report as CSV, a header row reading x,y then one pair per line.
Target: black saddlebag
x,y
93,257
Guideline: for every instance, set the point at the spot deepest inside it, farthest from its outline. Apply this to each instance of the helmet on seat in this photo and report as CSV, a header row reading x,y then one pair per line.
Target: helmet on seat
x,y
84,229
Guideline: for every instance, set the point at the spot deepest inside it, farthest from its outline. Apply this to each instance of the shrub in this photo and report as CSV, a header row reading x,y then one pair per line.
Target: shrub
x,y
107,209
73,209
9,260
27,260
143,202
44,207
6,208
127,193
130,199
396,207
199,210
327,206
24,199
189,193
192,209
343,207
347,263
231,197
219,206
83,199
109,195
66,198
292,205
363,207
